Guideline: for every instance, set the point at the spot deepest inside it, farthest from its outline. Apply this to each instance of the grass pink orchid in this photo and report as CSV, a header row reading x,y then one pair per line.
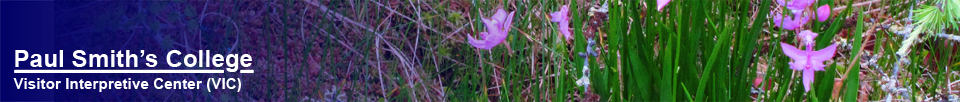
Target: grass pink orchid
x,y
563,18
797,6
807,37
808,61
823,12
790,23
800,4
498,27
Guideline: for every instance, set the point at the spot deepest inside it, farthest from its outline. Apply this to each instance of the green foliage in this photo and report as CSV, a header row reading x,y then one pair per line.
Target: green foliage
x,y
673,56
691,50
932,19
852,83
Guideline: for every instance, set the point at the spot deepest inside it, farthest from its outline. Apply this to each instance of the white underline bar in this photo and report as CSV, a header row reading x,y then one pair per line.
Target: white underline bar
x,y
246,71
122,71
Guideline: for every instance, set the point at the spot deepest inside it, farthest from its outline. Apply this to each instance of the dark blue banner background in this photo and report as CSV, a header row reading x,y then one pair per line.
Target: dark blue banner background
x,y
26,25
45,27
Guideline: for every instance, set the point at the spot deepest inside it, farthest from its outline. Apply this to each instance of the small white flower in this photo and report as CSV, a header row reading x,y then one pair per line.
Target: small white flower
x,y
584,80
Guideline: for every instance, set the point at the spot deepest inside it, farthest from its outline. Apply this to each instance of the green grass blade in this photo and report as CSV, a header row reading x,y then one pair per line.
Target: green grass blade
x,y
853,76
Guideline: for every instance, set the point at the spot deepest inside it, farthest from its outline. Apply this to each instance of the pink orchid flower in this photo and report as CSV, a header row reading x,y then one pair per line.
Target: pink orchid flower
x,y
823,12
790,23
797,6
563,18
807,37
498,27
661,4
800,4
808,60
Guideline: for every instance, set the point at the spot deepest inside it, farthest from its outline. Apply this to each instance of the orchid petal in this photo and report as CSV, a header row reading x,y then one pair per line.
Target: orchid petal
x,y
500,15
481,44
565,29
796,12
823,54
556,16
661,4
498,27
799,4
561,14
494,40
793,52
799,57
778,21
789,24
808,76
564,21
484,35
823,12
807,36
802,20
493,27
817,66
471,39
507,24
798,64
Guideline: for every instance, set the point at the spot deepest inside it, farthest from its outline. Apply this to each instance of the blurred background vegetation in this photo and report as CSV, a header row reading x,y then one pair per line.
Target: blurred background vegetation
x,y
692,50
